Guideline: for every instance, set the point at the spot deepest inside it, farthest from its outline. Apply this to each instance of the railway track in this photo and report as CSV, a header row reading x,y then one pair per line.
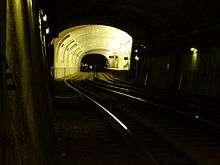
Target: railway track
x,y
197,109
192,136
158,148
87,135
197,101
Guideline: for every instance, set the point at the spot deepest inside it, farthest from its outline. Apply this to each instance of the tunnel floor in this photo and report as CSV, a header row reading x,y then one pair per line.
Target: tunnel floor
x,y
83,137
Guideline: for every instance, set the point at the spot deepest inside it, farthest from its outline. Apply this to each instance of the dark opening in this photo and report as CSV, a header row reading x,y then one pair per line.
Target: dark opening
x,y
93,62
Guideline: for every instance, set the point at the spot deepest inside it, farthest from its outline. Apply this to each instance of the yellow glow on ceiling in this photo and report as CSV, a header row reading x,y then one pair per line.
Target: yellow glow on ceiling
x,y
75,42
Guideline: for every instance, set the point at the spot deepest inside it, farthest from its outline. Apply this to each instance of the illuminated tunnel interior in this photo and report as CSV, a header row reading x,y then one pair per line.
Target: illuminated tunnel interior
x,y
156,102
76,42
94,62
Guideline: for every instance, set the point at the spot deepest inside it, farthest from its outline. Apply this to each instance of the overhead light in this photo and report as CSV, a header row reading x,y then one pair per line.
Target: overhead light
x,y
135,50
194,55
196,116
47,30
136,58
194,50
143,46
45,17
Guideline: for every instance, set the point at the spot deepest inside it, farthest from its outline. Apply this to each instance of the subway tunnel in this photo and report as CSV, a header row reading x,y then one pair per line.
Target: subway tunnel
x,y
94,62
109,82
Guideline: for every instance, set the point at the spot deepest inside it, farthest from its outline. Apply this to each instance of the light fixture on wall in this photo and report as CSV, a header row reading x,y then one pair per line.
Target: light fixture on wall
x,y
47,30
194,50
44,17
136,58
194,55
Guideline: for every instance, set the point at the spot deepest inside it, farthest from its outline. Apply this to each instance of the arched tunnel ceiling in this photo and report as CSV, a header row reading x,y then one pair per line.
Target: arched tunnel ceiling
x,y
74,43
153,21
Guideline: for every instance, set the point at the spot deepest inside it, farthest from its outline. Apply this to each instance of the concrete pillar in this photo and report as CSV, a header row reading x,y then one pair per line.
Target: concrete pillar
x,y
27,120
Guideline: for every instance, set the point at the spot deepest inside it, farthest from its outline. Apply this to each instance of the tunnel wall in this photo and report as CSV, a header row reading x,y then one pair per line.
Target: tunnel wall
x,y
173,69
3,139
75,42
26,132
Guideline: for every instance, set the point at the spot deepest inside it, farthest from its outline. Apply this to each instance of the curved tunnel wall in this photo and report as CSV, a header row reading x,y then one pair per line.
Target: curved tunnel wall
x,y
182,69
76,42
